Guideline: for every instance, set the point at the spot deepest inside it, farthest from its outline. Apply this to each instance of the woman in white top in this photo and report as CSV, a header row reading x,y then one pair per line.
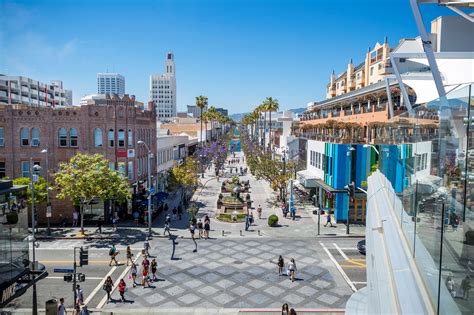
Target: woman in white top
x,y
292,269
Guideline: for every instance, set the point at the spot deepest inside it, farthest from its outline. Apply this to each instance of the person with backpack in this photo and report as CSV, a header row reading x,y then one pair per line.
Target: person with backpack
x,y
79,295
61,307
108,285
154,267
113,252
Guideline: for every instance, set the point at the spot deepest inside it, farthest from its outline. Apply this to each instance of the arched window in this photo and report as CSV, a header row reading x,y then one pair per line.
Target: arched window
x,y
130,138
24,136
121,138
73,137
98,137
62,137
111,138
35,137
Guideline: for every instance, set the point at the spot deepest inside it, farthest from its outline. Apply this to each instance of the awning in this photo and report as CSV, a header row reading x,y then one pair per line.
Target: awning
x,y
307,178
321,184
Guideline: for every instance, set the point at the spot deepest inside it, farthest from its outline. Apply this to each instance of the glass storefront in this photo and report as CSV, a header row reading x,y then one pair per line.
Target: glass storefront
x,y
436,153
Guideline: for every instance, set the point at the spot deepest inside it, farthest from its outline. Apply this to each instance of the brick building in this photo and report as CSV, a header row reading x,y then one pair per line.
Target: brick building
x,y
110,126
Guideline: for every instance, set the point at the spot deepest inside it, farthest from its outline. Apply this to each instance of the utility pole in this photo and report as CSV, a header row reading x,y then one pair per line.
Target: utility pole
x,y
150,155
48,203
32,183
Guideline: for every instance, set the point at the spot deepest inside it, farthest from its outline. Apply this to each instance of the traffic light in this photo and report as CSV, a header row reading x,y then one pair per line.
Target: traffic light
x,y
83,257
81,277
68,277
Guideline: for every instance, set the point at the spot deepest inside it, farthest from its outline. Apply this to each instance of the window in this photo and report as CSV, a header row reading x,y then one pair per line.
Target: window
x,y
111,138
371,71
130,170
2,169
121,138
62,135
2,138
121,168
130,138
98,137
380,66
25,168
73,137
35,137
24,136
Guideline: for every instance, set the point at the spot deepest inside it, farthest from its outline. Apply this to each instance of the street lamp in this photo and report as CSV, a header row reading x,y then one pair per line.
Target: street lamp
x,y
150,155
33,179
48,203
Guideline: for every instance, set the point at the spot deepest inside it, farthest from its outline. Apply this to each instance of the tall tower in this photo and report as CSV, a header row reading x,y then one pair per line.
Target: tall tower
x,y
163,90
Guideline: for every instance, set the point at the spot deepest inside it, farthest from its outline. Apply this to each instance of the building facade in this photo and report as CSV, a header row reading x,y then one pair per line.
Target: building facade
x,y
110,127
110,83
223,111
27,91
163,90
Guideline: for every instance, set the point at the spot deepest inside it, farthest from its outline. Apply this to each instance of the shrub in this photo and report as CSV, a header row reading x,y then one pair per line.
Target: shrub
x,y
273,220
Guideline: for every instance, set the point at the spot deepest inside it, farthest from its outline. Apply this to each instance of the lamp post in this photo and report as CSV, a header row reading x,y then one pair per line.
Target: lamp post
x,y
284,152
36,169
373,147
150,155
48,203
351,193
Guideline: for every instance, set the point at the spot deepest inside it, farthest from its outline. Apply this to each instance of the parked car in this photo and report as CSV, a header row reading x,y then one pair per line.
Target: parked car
x,y
361,247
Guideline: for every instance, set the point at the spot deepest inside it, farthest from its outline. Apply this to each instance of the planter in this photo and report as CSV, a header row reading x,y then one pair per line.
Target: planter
x,y
12,218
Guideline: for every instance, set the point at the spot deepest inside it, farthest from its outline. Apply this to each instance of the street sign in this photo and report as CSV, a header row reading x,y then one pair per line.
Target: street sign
x,y
48,212
63,270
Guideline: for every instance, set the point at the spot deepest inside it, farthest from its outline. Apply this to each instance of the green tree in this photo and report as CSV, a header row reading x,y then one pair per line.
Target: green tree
x,y
87,177
270,105
201,102
184,176
40,188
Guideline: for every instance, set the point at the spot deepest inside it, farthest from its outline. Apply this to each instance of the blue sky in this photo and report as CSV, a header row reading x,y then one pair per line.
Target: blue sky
x,y
236,52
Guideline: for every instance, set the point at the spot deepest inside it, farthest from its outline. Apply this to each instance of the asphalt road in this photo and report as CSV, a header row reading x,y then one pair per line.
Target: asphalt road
x,y
320,262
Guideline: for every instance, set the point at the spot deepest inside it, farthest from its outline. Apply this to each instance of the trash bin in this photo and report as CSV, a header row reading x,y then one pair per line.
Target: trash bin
x,y
51,307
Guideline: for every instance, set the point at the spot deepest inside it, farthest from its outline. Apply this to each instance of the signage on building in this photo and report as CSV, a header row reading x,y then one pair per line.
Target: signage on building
x,y
121,153
7,293
131,153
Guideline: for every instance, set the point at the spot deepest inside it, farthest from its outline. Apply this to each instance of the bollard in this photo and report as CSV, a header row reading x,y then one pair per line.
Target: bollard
x,y
222,232
240,232
258,232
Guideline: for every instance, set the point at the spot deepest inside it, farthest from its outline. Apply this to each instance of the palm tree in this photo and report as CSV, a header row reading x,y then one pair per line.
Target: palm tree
x,y
261,109
206,117
201,102
212,116
270,105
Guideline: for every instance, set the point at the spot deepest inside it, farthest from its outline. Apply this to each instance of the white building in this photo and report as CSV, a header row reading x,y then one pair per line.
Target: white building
x,y
110,83
23,90
163,90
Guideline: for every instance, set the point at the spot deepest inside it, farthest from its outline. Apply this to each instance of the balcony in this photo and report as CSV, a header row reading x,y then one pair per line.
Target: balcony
x,y
3,94
14,85
25,99
3,85
25,90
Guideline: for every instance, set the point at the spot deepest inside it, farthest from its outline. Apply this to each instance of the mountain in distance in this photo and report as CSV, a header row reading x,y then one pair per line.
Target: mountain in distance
x,y
237,117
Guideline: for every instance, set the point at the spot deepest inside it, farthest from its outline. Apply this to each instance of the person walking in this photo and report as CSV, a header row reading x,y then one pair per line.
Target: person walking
x,y
114,223
84,311
207,227
75,218
154,267
146,246
108,285
293,312
200,228
129,255
285,309
133,274
466,287
113,252
121,288
76,310
99,225
167,225
281,265
166,208
61,308
292,269
328,219
259,212
175,211
180,212
450,285
145,277
79,295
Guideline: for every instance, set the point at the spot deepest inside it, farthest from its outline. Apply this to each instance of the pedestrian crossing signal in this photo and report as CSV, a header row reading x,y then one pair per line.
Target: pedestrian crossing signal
x,y
83,257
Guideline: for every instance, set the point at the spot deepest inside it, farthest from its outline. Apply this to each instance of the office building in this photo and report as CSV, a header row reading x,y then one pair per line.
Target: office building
x,y
163,90
223,111
110,83
27,91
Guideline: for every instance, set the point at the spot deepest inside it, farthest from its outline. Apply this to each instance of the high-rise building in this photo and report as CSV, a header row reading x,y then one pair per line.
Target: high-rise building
x,y
23,90
110,83
163,90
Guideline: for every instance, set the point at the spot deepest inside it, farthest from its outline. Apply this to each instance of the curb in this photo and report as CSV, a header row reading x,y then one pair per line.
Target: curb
x,y
341,236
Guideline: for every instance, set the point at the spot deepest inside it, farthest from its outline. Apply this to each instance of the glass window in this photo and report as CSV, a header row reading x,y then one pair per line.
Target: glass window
x,y
2,137
24,136
121,138
121,168
111,138
130,170
2,169
62,135
35,137
130,138
371,71
98,137
25,168
73,137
